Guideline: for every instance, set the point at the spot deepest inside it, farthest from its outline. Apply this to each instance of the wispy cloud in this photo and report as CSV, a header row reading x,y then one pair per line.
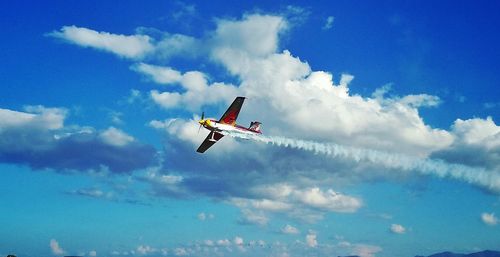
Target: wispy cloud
x,y
128,46
137,46
328,23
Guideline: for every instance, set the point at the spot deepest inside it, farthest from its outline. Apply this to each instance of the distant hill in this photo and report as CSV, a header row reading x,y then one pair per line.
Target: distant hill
x,y
478,254
486,253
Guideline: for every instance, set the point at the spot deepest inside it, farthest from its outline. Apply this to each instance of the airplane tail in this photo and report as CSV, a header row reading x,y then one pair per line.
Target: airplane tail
x,y
255,126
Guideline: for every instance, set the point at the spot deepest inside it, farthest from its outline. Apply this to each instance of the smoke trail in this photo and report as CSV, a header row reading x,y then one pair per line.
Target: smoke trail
x,y
481,177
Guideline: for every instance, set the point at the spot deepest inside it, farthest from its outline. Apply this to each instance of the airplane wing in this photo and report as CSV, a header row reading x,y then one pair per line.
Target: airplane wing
x,y
232,112
211,139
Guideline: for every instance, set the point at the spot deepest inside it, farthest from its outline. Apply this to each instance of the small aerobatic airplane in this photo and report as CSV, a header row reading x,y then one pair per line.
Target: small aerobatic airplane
x,y
226,125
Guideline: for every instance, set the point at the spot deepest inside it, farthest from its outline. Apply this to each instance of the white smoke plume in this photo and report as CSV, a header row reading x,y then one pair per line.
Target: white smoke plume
x,y
481,177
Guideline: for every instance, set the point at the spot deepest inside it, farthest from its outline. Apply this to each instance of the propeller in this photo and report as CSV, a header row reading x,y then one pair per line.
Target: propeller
x,y
202,118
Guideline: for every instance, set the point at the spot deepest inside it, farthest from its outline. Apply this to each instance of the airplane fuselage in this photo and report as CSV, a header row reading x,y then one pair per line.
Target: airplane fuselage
x,y
214,125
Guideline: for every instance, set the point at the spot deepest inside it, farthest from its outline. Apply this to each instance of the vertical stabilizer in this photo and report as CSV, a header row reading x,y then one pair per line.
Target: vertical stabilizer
x,y
255,126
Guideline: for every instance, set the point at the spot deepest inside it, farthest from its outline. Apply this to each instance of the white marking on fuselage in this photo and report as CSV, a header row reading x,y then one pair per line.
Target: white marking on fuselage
x,y
220,127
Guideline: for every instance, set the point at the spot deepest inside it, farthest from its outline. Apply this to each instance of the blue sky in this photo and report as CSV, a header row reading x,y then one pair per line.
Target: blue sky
x,y
379,120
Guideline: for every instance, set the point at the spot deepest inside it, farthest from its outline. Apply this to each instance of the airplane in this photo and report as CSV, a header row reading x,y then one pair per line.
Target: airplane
x,y
226,125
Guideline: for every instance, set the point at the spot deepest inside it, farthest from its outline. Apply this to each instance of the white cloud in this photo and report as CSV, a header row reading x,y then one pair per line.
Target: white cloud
x,y
129,46
238,240
198,90
275,191
308,204
166,100
289,229
204,216
270,205
477,143
328,23
256,35
92,192
163,184
422,100
146,43
56,248
172,45
366,250
38,137
253,217
92,253
180,251
311,239
478,131
163,179
159,74
398,229
329,200
145,249
239,243
489,218
36,117
116,137
223,242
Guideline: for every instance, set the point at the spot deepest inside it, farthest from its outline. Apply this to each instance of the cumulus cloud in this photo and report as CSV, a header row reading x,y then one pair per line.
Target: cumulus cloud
x,y
158,74
255,35
489,218
92,253
198,92
397,229
37,137
311,239
116,137
329,200
289,229
477,143
37,117
146,249
308,204
56,248
180,251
